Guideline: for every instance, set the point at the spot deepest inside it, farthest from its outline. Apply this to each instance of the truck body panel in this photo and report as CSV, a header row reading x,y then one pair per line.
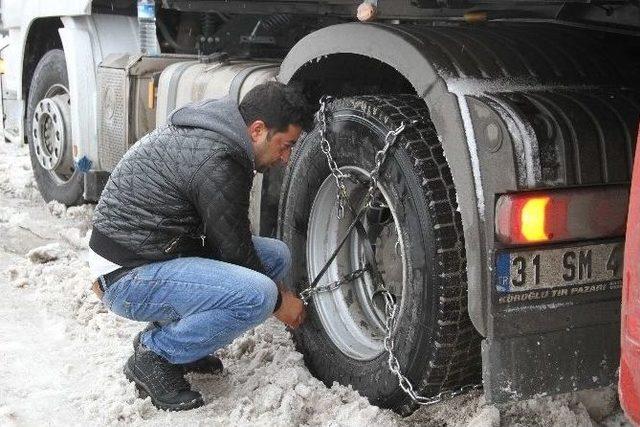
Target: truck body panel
x,y
85,41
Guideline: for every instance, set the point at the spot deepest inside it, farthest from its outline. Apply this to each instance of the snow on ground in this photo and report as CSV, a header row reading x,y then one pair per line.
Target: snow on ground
x,y
61,352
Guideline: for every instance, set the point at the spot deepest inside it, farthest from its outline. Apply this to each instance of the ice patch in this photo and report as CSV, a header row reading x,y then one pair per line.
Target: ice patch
x,y
56,208
17,218
80,212
600,403
16,178
46,253
489,416
76,237
5,214
59,210
562,410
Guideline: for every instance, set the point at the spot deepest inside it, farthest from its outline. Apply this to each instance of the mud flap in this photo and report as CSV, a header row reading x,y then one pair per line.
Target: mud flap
x,y
94,182
530,366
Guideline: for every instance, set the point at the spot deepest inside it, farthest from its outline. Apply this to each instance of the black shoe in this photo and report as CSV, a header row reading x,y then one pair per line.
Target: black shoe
x,y
160,380
207,365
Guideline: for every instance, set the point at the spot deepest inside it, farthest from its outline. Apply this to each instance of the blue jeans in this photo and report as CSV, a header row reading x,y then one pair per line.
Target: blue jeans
x,y
201,304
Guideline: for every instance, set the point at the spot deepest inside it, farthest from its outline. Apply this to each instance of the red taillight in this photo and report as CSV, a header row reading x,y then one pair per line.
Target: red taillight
x,y
533,219
562,215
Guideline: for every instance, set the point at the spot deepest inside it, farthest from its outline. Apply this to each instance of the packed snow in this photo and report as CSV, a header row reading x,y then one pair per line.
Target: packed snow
x,y
61,352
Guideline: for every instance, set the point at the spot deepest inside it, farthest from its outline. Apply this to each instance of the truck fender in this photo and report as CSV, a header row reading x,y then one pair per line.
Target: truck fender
x,y
86,41
78,54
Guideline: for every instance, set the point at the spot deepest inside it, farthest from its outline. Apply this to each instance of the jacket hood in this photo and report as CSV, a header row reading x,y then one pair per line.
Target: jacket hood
x,y
219,115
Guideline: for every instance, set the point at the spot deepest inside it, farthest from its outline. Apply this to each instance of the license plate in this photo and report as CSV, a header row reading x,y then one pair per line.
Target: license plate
x,y
562,272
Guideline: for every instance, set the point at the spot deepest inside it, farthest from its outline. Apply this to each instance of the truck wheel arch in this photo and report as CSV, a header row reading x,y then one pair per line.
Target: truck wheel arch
x,y
87,40
42,36
402,52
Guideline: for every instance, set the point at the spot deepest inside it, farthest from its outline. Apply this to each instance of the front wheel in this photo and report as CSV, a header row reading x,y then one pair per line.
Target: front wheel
x,y
416,234
48,129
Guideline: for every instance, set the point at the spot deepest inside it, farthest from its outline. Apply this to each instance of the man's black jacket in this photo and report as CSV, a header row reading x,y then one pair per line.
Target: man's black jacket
x,y
182,190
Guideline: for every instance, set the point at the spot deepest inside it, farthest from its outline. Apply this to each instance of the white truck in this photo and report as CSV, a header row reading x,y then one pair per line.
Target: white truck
x,y
499,220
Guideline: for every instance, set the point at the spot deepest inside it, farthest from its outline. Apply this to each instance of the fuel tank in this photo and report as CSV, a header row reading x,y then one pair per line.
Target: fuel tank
x,y
137,94
184,82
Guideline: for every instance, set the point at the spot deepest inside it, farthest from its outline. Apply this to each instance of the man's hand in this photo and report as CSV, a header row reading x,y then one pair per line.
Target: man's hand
x,y
291,311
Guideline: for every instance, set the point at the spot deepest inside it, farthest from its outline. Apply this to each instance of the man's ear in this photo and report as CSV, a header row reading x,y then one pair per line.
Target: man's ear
x,y
257,129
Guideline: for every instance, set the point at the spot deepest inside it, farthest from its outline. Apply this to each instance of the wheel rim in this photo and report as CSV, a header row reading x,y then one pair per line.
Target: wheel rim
x,y
51,136
353,320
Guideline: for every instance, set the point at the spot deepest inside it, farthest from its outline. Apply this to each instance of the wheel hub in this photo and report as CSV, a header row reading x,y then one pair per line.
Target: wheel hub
x,y
352,318
51,134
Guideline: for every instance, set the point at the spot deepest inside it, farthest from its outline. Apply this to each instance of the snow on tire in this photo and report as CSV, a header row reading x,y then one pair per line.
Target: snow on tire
x,y
417,235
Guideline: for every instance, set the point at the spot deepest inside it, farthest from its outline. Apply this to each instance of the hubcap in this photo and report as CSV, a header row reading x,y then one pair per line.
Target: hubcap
x,y
352,318
51,133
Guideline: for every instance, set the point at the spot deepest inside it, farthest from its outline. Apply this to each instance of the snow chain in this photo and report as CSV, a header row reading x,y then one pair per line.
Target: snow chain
x,y
341,194
390,306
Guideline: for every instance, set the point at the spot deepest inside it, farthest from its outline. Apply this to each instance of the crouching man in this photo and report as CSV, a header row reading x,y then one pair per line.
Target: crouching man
x,y
171,243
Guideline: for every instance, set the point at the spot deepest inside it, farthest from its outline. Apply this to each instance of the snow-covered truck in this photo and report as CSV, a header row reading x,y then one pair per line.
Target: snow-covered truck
x,y
499,216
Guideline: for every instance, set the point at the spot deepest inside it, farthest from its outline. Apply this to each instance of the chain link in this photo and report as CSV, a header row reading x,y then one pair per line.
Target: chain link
x,y
390,309
380,158
390,306
306,294
325,146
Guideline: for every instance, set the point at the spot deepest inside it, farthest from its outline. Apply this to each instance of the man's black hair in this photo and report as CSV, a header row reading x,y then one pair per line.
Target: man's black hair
x,y
277,105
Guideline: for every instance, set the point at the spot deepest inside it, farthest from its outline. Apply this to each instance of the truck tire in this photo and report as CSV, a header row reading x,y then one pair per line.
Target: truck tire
x,y
419,248
48,130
